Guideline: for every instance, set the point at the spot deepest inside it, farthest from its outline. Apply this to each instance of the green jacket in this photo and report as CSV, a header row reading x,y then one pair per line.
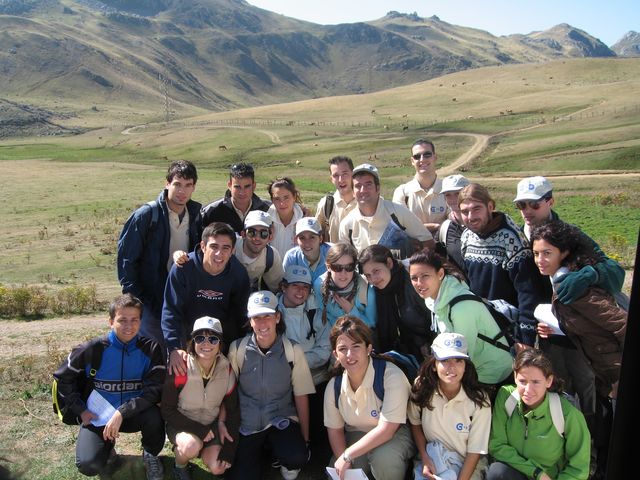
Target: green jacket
x,y
470,318
528,441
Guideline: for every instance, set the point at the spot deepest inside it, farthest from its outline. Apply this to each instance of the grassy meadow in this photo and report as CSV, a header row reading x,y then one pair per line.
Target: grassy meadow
x,y
66,198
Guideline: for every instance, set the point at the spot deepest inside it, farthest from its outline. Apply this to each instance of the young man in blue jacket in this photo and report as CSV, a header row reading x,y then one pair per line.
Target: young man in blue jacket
x,y
126,385
149,238
212,282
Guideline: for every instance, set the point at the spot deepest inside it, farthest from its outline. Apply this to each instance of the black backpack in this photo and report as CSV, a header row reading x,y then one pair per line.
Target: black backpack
x,y
84,384
506,324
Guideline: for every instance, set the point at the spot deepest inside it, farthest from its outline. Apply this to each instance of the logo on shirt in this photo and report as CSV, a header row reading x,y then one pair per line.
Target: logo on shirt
x,y
374,413
462,428
209,294
117,386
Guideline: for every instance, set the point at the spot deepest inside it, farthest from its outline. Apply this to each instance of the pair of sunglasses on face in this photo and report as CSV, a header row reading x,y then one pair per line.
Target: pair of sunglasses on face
x,y
349,267
423,155
532,204
212,339
252,232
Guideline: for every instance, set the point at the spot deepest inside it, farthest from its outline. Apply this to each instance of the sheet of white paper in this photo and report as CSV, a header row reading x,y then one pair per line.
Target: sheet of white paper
x,y
97,404
543,313
352,474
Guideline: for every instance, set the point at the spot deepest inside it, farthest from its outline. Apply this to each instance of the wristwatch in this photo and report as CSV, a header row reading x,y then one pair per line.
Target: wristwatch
x,y
346,457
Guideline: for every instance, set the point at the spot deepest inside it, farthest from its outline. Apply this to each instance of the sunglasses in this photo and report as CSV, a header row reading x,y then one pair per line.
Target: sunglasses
x,y
532,204
263,234
418,156
349,267
212,339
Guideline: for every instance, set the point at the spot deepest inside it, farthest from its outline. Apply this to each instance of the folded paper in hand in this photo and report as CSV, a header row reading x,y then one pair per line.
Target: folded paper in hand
x,y
98,405
350,474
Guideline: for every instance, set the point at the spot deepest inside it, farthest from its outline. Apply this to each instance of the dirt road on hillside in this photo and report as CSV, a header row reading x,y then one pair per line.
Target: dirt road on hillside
x,y
477,148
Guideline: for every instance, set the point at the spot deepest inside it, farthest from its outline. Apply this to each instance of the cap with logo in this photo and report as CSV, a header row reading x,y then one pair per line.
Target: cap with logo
x,y
449,345
257,218
532,188
454,183
297,274
366,168
207,323
262,302
308,224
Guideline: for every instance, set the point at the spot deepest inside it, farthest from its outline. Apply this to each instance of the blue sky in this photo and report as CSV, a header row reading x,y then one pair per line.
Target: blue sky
x,y
608,21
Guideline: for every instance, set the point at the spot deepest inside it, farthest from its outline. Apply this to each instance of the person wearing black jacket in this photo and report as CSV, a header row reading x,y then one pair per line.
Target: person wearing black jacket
x,y
128,382
403,319
238,200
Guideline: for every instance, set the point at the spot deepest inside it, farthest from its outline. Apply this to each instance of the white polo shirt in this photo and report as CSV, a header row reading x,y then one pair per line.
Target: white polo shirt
x,y
367,231
430,206
361,410
458,423
340,210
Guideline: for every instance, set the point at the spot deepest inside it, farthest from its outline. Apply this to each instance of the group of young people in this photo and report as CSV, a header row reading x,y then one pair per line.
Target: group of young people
x,y
251,328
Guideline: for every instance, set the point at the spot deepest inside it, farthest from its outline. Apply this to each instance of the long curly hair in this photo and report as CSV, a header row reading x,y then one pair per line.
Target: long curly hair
x,y
335,253
426,384
567,238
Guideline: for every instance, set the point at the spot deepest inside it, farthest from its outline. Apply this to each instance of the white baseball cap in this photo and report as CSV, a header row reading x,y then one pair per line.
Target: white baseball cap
x,y
257,218
308,224
207,323
454,183
366,168
450,345
262,302
532,188
297,274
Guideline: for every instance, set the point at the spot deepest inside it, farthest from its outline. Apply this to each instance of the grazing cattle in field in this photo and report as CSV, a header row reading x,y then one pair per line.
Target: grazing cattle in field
x,y
298,162
222,147
373,112
405,128
453,99
386,127
404,116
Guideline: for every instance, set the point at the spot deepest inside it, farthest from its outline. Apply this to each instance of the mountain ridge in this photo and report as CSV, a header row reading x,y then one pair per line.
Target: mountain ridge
x,y
216,55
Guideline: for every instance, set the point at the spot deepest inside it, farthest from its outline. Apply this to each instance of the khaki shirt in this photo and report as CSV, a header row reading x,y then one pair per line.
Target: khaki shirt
x,y
365,233
179,234
340,210
458,423
361,410
430,206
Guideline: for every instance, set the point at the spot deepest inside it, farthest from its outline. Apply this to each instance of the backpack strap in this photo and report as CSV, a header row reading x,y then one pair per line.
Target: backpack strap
x,y
442,232
556,412
96,358
288,351
311,315
269,260
492,341
555,406
155,214
179,381
379,366
240,351
394,217
329,203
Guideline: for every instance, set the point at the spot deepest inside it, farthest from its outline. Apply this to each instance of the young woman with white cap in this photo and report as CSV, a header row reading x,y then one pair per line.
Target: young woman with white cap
x,y
201,407
450,413
274,382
